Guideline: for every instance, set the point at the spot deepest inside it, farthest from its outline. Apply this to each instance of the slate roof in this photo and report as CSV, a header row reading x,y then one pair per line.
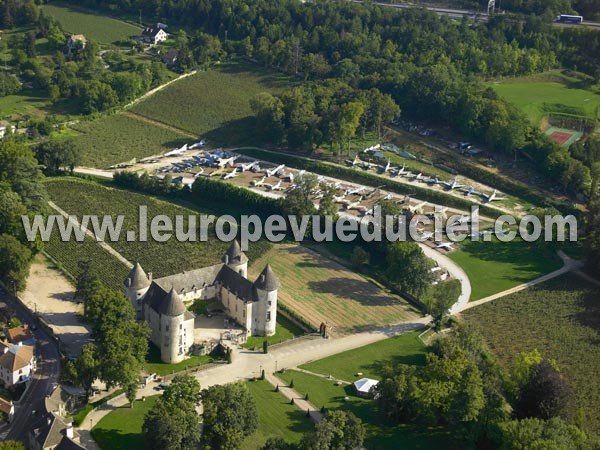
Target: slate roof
x,y
68,444
236,283
151,31
235,254
137,278
172,305
50,433
267,280
190,280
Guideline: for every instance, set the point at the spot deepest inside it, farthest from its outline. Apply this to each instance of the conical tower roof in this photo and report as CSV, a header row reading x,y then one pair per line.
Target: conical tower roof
x,y
235,254
267,280
171,305
137,278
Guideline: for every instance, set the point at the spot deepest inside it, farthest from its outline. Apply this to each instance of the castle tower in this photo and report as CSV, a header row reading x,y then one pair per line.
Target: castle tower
x,y
136,285
265,315
174,344
236,259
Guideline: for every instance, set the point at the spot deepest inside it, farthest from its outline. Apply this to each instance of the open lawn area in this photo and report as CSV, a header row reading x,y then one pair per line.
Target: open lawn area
x,y
321,290
214,104
495,266
276,417
80,197
286,329
560,318
539,97
323,392
122,428
119,138
101,29
370,359
154,364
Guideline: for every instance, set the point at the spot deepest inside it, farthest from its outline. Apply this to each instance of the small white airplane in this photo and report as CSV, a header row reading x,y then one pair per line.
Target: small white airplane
x,y
177,151
388,196
258,183
232,174
402,171
248,166
417,208
493,197
461,221
277,187
275,171
453,185
198,144
339,199
470,191
226,161
426,236
445,245
200,172
355,191
419,177
387,167
354,162
354,205
372,192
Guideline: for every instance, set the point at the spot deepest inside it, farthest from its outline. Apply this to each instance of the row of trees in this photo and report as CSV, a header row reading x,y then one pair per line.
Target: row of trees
x,y
463,388
21,194
121,343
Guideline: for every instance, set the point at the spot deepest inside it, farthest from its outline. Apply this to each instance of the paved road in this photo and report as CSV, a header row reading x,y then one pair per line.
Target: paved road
x,y
42,383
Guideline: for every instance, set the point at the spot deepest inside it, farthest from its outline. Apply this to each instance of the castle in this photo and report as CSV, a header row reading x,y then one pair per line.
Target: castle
x,y
161,302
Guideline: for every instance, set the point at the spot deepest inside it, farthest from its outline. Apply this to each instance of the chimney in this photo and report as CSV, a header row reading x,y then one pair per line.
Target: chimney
x,y
69,430
48,420
226,259
262,278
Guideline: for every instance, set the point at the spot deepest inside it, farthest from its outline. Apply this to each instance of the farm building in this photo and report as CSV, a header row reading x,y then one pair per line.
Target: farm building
x,y
365,387
17,363
74,40
154,34
160,302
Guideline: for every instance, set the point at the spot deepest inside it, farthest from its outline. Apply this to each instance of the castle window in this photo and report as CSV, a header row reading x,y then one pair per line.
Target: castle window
x,y
167,328
268,316
269,302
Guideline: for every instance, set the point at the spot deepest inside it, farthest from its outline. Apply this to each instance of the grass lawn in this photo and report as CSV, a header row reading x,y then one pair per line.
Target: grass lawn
x,y
557,94
276,417
32,104
286,329
370,359
122,428
81,197
495,266
154,364
215,103
560,318
101,29
119,138
322,290
323,392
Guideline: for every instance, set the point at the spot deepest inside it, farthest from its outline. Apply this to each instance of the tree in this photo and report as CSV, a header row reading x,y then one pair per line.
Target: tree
x,y
339,430
298,201
15,260
87,283
382,108
535,433
56,38
86,367
229,416
350,119
172,425
360,257
269,117
408,268
439,299
58,154
183,387
546,395
11,445
277,443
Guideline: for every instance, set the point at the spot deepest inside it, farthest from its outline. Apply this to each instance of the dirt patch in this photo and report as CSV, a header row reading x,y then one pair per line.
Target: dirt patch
x,y
50,295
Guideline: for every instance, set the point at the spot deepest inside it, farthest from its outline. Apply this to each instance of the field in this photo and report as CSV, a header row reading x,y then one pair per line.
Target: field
x,y
119,138
406,349
122,428
321,290
539,97
286,330
560,318
214,103
403,349
161,258
277,418
495,266
68,254
101,29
